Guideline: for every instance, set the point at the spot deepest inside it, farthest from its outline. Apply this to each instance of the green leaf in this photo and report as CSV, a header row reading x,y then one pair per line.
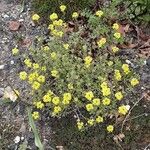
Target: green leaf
x,y
37,140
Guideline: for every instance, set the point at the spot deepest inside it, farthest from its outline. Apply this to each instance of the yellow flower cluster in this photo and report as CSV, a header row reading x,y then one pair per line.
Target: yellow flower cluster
x,y
15,51
101,42
54,73
87,61
62,8
115,26
57,25
89,95
106,101
99,13
117,35
123,110
28,63
35,115
80,124
134,81
23,75
115,49
110,128
75,15
66,98
119,96
105,89
117,75
35,17
125,68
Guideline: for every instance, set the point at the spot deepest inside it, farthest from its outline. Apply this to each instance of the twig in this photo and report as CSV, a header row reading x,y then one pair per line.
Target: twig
x,y
144,114
147,147
130,113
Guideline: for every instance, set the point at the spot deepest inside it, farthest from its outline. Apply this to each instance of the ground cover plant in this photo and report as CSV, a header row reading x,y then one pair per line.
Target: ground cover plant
x,y
81,83
78,70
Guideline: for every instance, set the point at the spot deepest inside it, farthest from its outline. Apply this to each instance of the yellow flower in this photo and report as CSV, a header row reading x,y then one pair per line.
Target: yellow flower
x,y
46,48
106,91
36,85
56,100
104,85
50,92
65,102
51,27
35,66
75,15
66,46
54,73
117,75
70,86
60,33
28,63
58,22
47,98
35,115
53,55
123,110
134,81
15,51
35,17
88,59
67,96
39,105
99,13
57,109
106,101
115,49
90,122
80,125
115,26
41,79
89,95
89,107
96,101
23,75
119,96
125,68
62,8
43,68
101,42
110,128
99,119
117,35
32,77
110,63
53,16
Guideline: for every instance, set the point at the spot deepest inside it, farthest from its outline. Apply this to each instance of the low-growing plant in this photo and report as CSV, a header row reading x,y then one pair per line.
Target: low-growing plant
x,y
79,70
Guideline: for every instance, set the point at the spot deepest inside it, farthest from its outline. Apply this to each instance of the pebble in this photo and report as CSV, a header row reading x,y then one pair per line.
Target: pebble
x,y
17,139
2,67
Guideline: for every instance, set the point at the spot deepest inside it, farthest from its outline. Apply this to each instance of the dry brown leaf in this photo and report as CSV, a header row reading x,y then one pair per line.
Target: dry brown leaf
x,y
26,42
14,25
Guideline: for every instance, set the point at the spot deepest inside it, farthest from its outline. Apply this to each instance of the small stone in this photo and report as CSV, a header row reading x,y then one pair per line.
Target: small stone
x,y
2,67
11,62
21,20
17,139
14,25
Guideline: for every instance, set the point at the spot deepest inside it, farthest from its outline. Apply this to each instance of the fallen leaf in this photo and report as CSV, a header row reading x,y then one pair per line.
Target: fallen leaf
x,y
9,93
26,43
14,25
